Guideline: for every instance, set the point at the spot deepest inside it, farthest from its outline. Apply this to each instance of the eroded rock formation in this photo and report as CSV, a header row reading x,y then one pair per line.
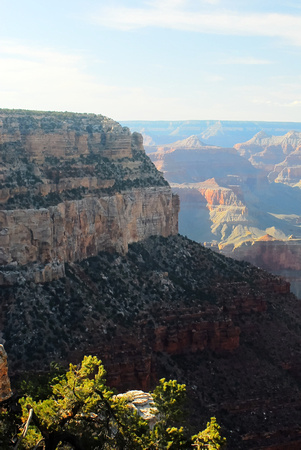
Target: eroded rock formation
x,y
72,185
5,390
229,200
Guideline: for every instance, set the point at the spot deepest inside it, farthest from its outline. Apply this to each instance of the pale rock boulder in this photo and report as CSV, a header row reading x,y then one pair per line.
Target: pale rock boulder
x,y
143,403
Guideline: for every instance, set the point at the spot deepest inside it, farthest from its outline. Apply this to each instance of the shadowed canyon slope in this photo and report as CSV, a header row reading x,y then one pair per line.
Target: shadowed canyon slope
x,y
91,263
172,308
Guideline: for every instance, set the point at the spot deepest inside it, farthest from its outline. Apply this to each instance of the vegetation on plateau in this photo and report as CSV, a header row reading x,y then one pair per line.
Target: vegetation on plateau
x,y
77,410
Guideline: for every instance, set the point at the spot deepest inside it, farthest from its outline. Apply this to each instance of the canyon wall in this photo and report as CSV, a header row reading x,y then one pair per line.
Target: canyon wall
x,y
270,254
75,230
72,185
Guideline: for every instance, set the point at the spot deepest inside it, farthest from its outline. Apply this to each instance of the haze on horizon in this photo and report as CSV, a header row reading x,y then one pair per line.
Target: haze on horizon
x,y
153,60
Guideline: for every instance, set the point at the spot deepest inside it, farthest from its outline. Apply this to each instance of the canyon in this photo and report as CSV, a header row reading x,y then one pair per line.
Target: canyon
x,y
231,198
92,263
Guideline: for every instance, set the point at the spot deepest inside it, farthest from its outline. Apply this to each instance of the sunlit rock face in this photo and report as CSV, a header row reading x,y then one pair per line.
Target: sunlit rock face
x,y
5,390
72,185
143,403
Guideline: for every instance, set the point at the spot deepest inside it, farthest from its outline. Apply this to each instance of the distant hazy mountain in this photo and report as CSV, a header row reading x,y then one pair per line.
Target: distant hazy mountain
x,y
190,142
280,156
223,133
191,161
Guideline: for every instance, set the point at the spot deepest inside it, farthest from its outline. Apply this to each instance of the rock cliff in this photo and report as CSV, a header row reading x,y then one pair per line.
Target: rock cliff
x,y
5,390
72,185
281,257
81,272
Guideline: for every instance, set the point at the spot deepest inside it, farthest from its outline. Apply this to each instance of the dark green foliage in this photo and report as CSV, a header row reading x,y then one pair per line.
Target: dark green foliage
x,y
9,426
77,409
39,386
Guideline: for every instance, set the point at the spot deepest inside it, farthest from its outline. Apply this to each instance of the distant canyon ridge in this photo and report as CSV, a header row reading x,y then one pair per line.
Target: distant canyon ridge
x,y
239,185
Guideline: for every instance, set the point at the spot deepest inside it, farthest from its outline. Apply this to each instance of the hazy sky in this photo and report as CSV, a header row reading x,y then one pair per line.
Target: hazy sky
x,y
153,60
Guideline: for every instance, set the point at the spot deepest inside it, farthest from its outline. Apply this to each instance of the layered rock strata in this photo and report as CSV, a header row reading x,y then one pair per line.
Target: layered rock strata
x,y
75,230
70,186
272,254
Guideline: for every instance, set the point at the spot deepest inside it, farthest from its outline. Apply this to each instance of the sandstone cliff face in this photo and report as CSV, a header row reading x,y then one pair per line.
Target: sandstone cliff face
x,y
75,230
282,257
44,135
72,185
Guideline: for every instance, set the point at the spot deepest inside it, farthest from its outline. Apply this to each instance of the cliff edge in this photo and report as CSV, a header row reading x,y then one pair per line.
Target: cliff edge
x,y
72,185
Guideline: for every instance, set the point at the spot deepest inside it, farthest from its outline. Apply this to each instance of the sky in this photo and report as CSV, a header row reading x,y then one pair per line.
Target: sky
x,y
154,59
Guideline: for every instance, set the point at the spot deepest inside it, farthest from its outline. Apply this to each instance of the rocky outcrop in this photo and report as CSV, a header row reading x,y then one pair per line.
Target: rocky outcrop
x,y
143,404
281,257
70,186
62,135
5,390
75,230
